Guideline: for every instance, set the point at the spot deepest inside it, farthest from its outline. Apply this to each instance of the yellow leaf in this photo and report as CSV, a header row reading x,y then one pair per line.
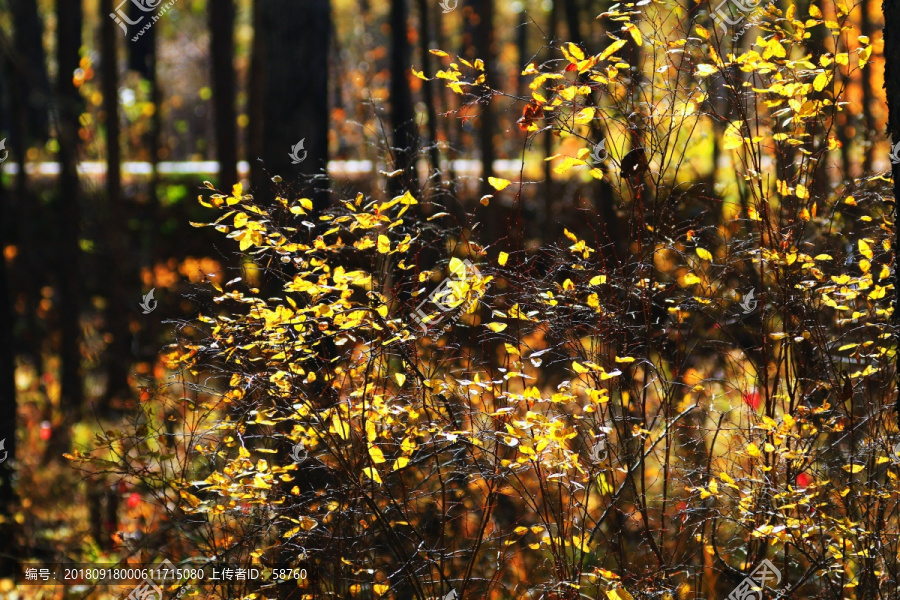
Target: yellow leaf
x,y
381,588
635,33
579,368
704,254
400,463
619,594
496,327
865,249
774,48
853,468
611,49
598,280
732,138
567,163
240,219
372,474
584,116
498,184
802,192
400,378
753,450
864,56
376,454
821,81
193,500
384,244
340,427
573,51
705,70
502,259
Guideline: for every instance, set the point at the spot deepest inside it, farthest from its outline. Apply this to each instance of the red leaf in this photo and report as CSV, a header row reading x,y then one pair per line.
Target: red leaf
x,y
752,399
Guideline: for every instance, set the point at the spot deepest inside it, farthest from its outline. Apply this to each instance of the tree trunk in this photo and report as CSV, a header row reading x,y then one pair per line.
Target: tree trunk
x,y
221,28
69,17
485,46
428,87
405,138
256,97
7,406
118,350
549,186
30,50
868,94
892,92
295,106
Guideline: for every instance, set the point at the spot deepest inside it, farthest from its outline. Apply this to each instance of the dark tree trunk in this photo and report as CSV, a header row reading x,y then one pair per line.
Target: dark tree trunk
x,y
891,10
405,138
33,66
549,185
142,57
255,100
7,404
521,52
485,47
119,348
295,106
428,98
28,103
69,17
868,93
573,21
221,28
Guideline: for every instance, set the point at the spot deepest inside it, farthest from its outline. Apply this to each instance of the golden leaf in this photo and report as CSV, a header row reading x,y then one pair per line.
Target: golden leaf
x,y
498,183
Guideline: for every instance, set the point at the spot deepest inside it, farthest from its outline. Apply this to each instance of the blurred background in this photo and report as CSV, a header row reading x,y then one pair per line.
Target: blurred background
x,y
113,115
